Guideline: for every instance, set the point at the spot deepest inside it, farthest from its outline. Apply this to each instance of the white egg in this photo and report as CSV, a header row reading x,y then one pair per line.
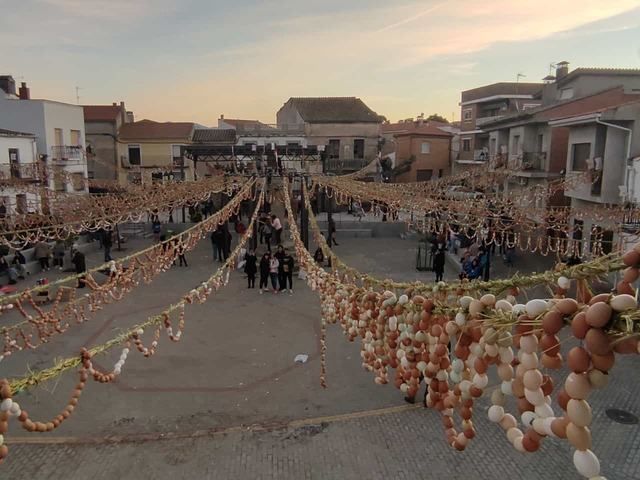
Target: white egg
x,y
586,463
535,307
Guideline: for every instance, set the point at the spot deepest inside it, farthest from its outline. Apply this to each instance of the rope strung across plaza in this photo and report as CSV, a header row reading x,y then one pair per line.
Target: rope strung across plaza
x,y
125,275
82,214
11,409
451,340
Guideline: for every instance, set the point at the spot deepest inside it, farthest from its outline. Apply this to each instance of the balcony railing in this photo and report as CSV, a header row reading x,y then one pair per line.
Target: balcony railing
x,y
528,161
66,153
20,171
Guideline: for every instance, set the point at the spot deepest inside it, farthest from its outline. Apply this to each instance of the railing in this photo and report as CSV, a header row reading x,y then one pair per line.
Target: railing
x,y
66,152
20,171
337,165
528,161
480,155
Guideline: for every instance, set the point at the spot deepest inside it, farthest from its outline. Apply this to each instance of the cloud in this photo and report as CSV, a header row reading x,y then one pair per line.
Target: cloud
x,y
411,18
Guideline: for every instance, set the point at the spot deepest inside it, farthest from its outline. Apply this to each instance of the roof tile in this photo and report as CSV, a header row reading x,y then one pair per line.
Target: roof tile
x,y
333,109
150,130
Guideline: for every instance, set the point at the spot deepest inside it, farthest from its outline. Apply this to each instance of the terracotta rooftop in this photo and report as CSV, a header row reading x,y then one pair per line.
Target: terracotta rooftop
x,y
415,128
150,130
214,135
101,113
333,110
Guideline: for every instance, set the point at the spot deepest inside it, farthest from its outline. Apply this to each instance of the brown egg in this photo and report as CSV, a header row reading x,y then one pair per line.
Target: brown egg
x,y
577,385
631,258
552,361
579,325
625,288
603,362
598,314
525,406
470,433
597,341
475,307
552,322
597,378
579,437
631,275
550,344
628,346
505,372
559,427
567,306
578,360
533,379
602,297
480,365
530,442
517,387
563,399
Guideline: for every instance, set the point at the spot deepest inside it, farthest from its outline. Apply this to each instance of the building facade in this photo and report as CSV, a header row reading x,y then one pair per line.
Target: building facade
x,y
59,134
102,123
19,165
344,127
482,105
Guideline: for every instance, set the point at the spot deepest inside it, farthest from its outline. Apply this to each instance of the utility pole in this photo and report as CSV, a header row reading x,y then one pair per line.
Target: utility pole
x,y
78,95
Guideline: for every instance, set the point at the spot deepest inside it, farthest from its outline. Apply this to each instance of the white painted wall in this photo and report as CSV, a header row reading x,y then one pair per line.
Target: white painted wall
x,y
26,154
265,140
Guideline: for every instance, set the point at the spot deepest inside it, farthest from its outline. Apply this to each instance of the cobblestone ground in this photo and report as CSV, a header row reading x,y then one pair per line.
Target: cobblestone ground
x,y
228,403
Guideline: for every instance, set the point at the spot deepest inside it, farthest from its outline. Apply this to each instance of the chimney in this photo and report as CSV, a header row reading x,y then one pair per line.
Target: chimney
x,y
123,113
114,104
562,70
130,117
8,84
24,92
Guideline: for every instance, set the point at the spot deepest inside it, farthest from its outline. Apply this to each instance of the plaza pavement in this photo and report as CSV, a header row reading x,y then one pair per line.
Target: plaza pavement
x,y
228,402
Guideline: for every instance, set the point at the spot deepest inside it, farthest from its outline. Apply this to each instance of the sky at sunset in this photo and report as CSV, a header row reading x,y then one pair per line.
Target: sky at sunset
x,y
192,60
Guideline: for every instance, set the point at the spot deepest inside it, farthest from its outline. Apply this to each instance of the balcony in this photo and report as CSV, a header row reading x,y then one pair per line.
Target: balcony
x,y
530,164
27,172
480,121
66,153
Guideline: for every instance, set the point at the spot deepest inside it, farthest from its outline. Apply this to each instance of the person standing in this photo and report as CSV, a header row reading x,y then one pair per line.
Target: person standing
x,y
438,261
250,268
274,267
227,241
78,259
58,255
9,271
156,227
332,232
181,258
287,272
277,229
42,252
264,272
279,255
19,263
107,243
266,233
218,239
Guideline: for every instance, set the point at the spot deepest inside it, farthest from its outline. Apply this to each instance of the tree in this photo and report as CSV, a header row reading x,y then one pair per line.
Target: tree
x,y
437,118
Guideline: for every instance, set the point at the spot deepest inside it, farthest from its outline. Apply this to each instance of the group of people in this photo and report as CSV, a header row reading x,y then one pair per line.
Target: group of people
x,y
269,226
277,268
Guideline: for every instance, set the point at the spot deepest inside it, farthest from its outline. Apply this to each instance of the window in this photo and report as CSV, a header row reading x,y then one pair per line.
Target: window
x,y
176,154
156,177
58,137
424,175
75,138
77,180
580,153
134,154
515,145
425,147
177,176
565,93
358,148
440,171
467,114
334,149
466,144
14,162
21,203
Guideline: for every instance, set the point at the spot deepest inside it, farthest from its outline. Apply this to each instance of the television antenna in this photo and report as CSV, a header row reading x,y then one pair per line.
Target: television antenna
x,y
78,95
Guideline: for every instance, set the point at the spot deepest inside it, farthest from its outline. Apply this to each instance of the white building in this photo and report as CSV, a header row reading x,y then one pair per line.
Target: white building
x,y
18,165
59,134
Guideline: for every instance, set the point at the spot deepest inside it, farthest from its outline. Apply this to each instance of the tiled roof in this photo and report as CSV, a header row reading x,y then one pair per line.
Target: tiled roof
x,y
415,128
246,124
594,103
333,109
150,130
502,88
101,113
214,135
599,71
12,133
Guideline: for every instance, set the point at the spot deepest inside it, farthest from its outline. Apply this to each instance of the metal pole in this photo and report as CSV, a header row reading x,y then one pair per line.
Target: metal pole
x,y
254,237
304,216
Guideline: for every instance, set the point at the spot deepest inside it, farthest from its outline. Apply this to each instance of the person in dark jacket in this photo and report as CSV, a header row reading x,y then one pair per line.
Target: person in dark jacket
x,y
19,263
286,264
107,243
264,272
439,260
250,268
218,237
280,255
318,256
80,264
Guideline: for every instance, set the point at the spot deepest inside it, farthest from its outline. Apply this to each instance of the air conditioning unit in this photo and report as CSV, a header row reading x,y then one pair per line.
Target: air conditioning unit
x,y
124,160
